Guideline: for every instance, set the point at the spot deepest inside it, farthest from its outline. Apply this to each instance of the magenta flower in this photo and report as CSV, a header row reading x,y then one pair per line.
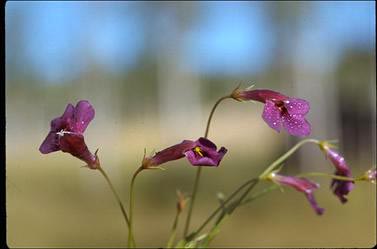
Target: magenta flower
x,y
279,110
300,184
199,153
66,133
340,188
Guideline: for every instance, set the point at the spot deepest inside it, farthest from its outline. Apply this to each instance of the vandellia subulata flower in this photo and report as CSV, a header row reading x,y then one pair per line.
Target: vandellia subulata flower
x,y
279,110
201,152
341,188
66,133
301,184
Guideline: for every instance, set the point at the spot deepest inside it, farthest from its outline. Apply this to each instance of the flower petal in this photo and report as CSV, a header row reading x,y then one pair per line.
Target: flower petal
x,y
303,185
209,157
296,125
261,95
271,115
61,122
83,114
299,183
314,204
197,160
171,153
74,144
297,106
206,143
50,144
338,161
341,189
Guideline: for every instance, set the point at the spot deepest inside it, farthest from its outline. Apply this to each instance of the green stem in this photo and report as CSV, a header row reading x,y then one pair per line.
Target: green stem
x,y
116,197
199,170
284,157
173,231
252,198
259,194
342,178
270,168
239,201
253,183
131,240
193,197
212,112
222,205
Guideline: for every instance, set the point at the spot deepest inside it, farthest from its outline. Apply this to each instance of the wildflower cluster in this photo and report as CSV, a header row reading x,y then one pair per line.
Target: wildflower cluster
x,y
280,111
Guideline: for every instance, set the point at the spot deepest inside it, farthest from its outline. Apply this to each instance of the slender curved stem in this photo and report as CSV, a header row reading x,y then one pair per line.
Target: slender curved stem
x,y
341,178
259,194
212,112
234,205
116,196
272,166
199,170
268,170
284,157
131,241
173,230
222,205
239,201
193,196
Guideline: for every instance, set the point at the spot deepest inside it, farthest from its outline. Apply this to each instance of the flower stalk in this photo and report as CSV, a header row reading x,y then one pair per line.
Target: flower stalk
x,y
199,170
336,177
116,196
286,155
221,207
173,231
131,240
181,203
259,194
212,112
252,183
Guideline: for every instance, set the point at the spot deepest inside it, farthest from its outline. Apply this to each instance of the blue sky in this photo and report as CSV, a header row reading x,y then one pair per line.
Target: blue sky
x,y
60,39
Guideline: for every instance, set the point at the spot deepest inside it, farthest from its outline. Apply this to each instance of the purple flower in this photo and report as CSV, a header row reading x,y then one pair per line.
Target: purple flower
x,y
199,153
66,133
205,153
340,188
279,110
300,184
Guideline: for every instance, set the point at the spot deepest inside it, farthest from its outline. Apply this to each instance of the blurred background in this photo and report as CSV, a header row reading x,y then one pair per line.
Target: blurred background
x,y
152,71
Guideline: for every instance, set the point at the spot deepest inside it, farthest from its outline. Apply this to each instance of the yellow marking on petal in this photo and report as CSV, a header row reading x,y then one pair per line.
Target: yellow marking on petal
x,y
198,150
